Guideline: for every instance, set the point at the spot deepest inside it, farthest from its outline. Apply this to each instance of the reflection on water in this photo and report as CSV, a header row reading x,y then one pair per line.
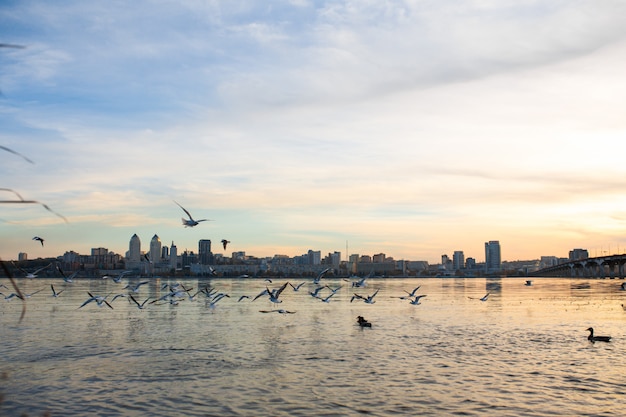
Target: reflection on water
x,y
523,351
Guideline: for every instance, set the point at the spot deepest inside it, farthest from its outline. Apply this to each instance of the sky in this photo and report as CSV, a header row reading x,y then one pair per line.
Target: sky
x,y
412,128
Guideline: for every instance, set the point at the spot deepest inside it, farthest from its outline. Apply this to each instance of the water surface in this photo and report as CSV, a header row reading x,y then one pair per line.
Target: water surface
x,y
523,351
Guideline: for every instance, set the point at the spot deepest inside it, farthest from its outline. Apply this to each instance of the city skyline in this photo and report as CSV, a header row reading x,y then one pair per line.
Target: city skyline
x,y
410,128
138,252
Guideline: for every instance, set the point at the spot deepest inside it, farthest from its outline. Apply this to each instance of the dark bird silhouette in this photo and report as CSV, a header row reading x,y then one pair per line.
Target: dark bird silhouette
x,y
4,148
225,242
11,45
362,322
593,338
22,201
38,239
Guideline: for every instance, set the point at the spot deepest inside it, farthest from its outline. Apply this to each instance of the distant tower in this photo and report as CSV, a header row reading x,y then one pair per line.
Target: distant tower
x,y
492,256
173,256
155,249
205,256
134,249
458,260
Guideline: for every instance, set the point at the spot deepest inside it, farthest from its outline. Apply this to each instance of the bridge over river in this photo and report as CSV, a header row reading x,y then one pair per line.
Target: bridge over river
x,y
611,266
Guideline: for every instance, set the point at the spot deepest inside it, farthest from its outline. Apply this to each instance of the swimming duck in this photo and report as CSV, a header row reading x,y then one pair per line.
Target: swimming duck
x,y
593,338
362,322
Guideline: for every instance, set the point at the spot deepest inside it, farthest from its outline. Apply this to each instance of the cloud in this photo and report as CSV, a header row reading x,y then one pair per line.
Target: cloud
x,y
428,122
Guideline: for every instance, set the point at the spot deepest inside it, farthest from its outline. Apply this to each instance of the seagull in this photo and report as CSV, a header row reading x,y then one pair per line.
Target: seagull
x,y
117,279
369,299
10,296
135,288
38,239
225,242
315,293
242,297
483,298
32,293
274,294
4,148
98,299
359,283
139,306
333,290
297,287
32,275
417,299
54,293
320,276
593,338
216,299
623,286
528,283
412,293
118,296
190,222
65,277
280,311
327,299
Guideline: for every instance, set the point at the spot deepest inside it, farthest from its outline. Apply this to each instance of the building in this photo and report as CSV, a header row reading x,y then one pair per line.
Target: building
x,y
22,256
470,263
134,249
493,260
173,256
378,258
315,257
155,249
458,260
577,254
548,261
205,256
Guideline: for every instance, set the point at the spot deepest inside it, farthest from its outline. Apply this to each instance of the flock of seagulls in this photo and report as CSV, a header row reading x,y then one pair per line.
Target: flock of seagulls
x,y
175,293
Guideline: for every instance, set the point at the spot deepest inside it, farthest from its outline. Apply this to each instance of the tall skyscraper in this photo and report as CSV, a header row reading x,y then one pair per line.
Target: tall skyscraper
x,y
155,249
173,256
205,256
134,249
458,260
492,256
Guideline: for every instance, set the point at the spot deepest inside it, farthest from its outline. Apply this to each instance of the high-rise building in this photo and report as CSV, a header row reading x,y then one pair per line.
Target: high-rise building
x,y
458,260
134,249
379,258
577,254
155,249
315,257
173,256
205,256
493,259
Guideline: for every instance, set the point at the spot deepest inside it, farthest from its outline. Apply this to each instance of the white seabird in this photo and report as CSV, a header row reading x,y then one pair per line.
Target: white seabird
x,y
190,222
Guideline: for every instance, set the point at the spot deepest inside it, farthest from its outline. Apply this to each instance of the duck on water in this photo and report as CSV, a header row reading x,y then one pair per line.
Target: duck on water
x,y
593,338
362,322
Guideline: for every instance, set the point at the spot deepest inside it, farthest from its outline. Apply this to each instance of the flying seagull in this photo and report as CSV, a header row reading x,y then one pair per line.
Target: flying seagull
x,y
225,242
4,148
190,222
38,239
22,201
